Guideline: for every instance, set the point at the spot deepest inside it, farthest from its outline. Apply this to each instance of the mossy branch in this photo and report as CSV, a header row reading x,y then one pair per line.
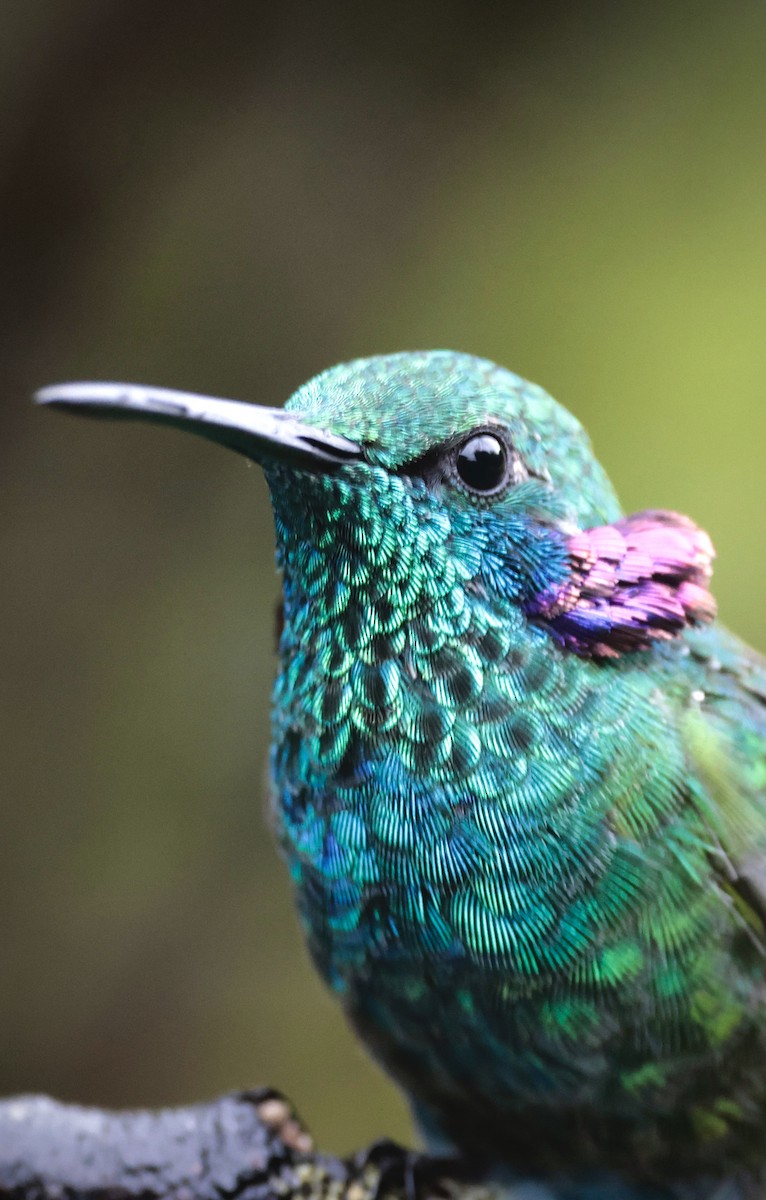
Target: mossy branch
x,y
244,1146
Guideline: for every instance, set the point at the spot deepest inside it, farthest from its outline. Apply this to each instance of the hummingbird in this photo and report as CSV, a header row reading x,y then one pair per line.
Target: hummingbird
x,y
518,776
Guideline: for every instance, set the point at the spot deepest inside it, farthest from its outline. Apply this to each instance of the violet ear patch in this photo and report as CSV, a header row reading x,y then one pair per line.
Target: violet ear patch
x,y
644,578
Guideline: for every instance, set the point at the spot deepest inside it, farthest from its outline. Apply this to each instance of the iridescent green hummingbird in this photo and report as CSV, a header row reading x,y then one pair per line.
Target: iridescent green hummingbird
x,y
519,776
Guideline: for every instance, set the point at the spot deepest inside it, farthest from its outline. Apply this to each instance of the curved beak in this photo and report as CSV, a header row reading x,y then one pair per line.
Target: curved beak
x,y
258,433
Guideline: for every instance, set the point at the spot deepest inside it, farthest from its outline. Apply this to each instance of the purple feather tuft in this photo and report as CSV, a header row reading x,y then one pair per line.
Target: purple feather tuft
x,y
642,579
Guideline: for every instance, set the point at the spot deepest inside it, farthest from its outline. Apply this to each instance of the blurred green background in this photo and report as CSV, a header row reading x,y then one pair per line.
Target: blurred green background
x,y
229,198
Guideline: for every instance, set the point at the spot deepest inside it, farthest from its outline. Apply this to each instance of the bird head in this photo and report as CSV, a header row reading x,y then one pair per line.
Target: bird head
x,y
415,480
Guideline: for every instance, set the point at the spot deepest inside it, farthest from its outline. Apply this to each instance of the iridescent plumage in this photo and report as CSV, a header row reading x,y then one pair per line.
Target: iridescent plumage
x,y
521,787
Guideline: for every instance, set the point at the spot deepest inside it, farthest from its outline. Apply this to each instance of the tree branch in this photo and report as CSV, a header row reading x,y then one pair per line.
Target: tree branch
x,y
244,1146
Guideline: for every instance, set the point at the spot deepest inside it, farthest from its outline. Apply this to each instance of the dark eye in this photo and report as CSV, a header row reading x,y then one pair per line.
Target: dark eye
x,y
482,462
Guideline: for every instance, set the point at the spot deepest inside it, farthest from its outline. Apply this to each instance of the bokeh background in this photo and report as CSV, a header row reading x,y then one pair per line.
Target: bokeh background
x,y
230,197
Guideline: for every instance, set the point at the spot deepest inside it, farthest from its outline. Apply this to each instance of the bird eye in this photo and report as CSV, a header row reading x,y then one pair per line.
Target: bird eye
x,y
482,463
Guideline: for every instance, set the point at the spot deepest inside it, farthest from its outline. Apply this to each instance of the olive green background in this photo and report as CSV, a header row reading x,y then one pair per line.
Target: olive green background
x,y
229,197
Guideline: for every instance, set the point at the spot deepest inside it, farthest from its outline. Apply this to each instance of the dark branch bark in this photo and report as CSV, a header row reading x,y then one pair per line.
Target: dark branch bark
x,y
247,1145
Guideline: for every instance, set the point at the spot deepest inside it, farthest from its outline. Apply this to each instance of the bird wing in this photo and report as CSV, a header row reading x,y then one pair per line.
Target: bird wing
x,y
725,741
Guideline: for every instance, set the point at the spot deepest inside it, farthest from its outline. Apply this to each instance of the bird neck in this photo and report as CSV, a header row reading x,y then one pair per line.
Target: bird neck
x,y
389,637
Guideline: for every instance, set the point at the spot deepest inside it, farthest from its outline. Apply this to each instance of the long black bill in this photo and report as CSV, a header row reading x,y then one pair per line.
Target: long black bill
x,y
258,433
